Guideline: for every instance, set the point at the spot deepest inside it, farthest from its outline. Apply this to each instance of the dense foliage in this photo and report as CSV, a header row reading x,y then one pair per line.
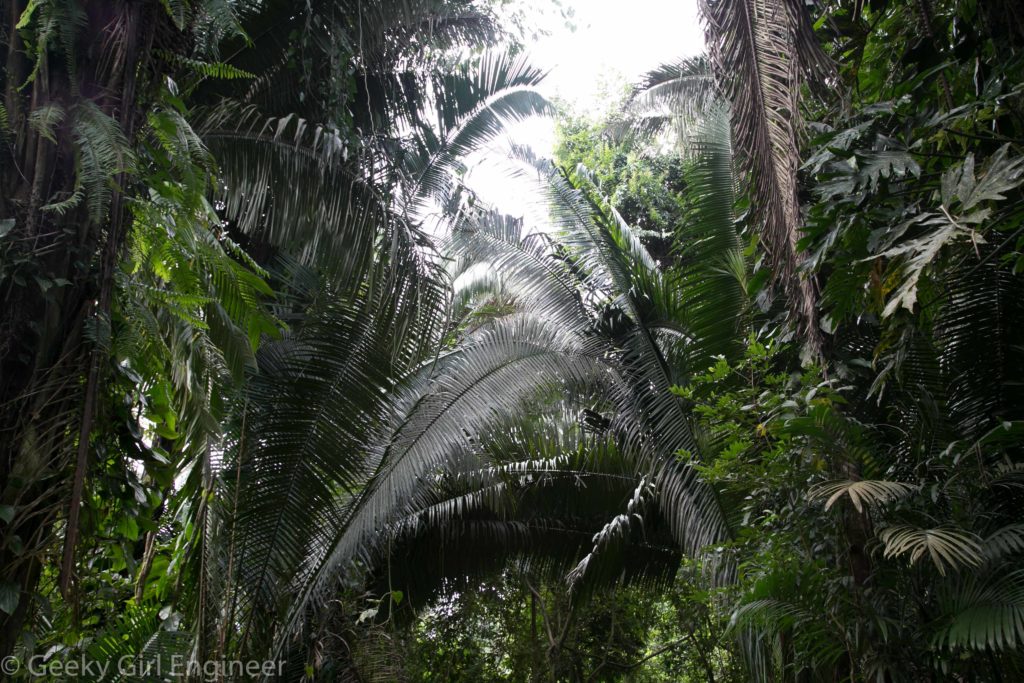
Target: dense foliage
x,y
277,389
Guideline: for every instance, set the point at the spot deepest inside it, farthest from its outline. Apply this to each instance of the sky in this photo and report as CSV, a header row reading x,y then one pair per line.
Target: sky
x,y
613,41
610,43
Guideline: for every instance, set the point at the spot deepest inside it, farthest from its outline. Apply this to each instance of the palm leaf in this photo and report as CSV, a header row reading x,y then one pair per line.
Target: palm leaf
x,y
715,283
679,93
439,413
948,548
862,493
1006,540
539,513
761,50
474,106
985,614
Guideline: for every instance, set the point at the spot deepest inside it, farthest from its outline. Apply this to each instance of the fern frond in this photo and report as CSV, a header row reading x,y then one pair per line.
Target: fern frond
x,y
44,120
214,69
102,153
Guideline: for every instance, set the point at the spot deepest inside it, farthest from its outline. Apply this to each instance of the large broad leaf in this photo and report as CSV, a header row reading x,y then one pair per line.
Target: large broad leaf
x,y
960,218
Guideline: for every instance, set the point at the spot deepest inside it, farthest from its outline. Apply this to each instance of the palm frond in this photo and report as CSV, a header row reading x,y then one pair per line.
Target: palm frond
x,y
764,624
948,548
715,287
526,264
297,449
984,613
1004,541
473,107
862,493
538,513
761,51
680,92
443,406
290,183
142,639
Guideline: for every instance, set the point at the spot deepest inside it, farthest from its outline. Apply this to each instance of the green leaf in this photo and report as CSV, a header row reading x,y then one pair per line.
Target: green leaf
x,y
1003,174
948,548
26,16
129,528
45,120
920,253
861,493
10,596
6,225
986,614
6,513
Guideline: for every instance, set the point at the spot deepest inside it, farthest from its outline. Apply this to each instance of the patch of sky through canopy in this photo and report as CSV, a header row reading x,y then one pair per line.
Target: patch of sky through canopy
x,y
593,49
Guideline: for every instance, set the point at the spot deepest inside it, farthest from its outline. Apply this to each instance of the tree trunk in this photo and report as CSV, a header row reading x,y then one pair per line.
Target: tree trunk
x,y
56,279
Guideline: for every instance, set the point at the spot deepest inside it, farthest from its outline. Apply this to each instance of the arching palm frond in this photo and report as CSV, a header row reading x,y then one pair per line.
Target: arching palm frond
x,y
629,302
715,283
627,297
626,286
472,106
675,93
526,265
413,30
684,86
297,452
302,187
440,412
764,624
291,184
538,512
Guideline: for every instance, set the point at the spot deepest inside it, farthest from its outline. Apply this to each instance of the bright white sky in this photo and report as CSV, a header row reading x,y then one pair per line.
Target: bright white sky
x,y
614,43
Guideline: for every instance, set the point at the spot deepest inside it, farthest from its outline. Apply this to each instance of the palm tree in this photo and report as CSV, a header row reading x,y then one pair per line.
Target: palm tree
x,y
335,447
762,53
343,214
91,116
